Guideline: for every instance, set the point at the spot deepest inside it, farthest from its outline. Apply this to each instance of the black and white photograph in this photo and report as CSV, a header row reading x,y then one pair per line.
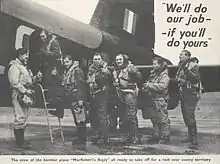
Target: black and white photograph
x,y
109,77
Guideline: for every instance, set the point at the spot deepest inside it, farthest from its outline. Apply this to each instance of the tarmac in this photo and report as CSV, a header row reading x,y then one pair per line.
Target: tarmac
x,y
207,116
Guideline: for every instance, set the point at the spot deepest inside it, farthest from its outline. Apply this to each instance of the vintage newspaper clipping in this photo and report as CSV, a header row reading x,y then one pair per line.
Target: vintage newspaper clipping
x,y
109,81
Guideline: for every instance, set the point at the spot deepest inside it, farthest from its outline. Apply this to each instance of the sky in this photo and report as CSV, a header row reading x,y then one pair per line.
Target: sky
x,y
81,10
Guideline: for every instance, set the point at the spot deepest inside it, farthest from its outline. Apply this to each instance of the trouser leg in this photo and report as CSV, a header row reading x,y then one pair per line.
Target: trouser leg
x,y
102,116
60,110
123,122
162,118
131,116
80,122
59,99
134,131
161,121
94,120
19,139
189,138
156,131
21,114
194,140
19,136
165,129
156,128
81,133
165,133
113,120
188,105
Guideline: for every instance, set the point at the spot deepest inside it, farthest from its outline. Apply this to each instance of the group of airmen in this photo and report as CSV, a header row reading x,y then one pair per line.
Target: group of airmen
x,y
90,97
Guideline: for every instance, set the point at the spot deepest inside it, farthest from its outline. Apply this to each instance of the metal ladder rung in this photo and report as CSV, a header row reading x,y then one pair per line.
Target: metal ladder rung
x,y
56,129
47,103
51,116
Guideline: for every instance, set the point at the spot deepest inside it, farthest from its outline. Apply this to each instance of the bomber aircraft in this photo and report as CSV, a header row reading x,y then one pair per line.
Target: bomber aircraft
x,y
110,32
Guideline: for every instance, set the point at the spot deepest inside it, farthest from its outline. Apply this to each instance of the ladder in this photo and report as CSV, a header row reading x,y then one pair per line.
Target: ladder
x,y
51,130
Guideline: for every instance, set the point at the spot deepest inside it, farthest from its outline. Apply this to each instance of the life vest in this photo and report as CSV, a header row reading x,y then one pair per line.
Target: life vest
x,y
123,81
25,77
69,80
181,76
96,78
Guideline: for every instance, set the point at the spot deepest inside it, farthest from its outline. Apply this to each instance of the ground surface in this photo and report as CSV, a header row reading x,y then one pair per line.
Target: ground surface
x,y
208,121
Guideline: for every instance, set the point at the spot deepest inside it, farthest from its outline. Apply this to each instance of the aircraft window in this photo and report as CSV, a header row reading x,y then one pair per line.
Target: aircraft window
x,y
129,21
2,69
22,37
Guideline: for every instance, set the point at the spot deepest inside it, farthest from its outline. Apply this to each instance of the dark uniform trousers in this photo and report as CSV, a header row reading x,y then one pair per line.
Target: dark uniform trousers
x,y
80,127
129,107
189,99
99,113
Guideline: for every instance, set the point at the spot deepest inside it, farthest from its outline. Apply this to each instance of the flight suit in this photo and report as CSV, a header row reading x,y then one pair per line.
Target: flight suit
x,y
98,80
125,81
188,78
157,88
20,79
50,58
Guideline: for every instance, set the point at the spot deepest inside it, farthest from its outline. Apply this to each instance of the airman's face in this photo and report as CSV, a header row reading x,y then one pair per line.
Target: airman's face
x,y
183,56
119,60
67,62
24,58
97,59
156,65
43,35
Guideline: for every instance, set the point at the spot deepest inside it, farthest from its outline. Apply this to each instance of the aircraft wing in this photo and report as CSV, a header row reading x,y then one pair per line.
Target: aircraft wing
x,y
50,20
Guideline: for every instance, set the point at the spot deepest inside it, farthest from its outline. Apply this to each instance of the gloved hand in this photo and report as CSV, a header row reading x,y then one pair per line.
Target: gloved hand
x,y
54,72
131,69
80,102
39,75
145,87
29,92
